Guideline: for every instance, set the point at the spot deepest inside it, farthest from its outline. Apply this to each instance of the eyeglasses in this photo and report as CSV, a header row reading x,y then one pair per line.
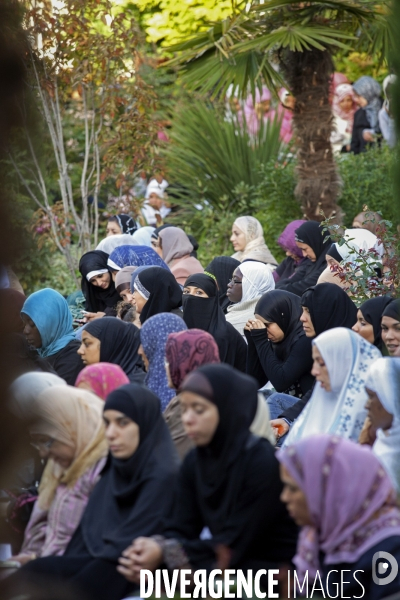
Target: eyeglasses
x,y
234,282
43,445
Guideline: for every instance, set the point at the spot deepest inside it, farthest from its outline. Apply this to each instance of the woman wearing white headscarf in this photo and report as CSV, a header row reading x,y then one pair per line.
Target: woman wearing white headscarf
x,y
386,121
143,235
249,282
113,241
248,242
337,404
382,385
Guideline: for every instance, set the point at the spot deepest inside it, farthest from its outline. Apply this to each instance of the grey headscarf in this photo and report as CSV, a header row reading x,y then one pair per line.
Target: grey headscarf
x,y
370,89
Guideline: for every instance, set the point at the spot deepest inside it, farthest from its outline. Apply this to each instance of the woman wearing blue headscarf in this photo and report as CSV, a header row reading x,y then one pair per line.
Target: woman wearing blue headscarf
x,y
48,328
133,256
367,94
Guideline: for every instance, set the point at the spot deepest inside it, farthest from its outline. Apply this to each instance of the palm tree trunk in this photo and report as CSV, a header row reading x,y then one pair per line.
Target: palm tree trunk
x,y
309,76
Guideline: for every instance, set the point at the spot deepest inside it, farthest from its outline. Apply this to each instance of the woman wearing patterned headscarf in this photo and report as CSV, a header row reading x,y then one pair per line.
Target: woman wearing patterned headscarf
x,y
121,224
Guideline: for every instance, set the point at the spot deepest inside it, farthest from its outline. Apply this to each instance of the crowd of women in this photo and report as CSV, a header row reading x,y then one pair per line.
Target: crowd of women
x,y
238,414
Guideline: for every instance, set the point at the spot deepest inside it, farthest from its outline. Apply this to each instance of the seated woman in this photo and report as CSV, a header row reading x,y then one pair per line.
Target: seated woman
x,y
156,291
345,504
294,256
66,428
222,268
101,379
220,486
201,310
185,352
248,242
121,224
153,337
390,325
123,280
249,282
278,349
337,404
369,317
97,285
326,306
111,340
133,256
132,498
48,327
176,249
314,244
382,386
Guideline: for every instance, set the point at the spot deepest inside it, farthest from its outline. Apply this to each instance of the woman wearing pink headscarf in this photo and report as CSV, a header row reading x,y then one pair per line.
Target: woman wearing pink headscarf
x,y
101,379
343,108
258,111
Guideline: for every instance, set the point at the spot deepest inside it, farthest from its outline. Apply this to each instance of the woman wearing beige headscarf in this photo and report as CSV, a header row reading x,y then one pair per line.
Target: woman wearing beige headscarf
x,y
176,249
68,431
248,242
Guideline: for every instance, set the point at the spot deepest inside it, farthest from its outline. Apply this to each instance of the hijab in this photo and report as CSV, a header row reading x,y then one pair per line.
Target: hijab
x,y
135,273
343,91
27,387
123,279
119,344
329,307
126,223
161,289
392,310
372,311
111,242
284,309
342,410
187,350
350,499
312,234
287,239
175,244
103,378
134,256
133,494
74,418
153,336
91,264
143,236
52,317
11,303
256,248
370,89
360,245
222,267
383,378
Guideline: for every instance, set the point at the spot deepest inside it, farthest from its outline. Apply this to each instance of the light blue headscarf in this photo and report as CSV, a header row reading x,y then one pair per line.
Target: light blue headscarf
x,y
143,236
153,336
370,89
51,315
134,256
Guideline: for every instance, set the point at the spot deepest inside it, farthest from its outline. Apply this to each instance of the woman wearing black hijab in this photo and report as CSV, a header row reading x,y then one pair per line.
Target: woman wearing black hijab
x,y
228,483
390,325
97,284
278,350
201,310
155,291
222,267
326,306
314,243
113,341
368,323
132,498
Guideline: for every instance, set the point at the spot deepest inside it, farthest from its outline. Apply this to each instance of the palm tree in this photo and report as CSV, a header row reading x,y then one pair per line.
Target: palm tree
x,y
292,43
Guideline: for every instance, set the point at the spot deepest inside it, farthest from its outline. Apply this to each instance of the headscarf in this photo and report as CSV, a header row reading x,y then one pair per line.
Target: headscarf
x,y
134,256
392,310
136,272
72,417
368,220
187,350
124,278
343,91
91,264
329,307
287,239
370,89
52,317
156,188
26,388
119,344
174,243
143,236
284,309
383,378
161,289
111,242
256,248
126,223
372,311
312,234
222,267
103,378
154,335
336,80
342,410
349,496
11,303
134,494
358,242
